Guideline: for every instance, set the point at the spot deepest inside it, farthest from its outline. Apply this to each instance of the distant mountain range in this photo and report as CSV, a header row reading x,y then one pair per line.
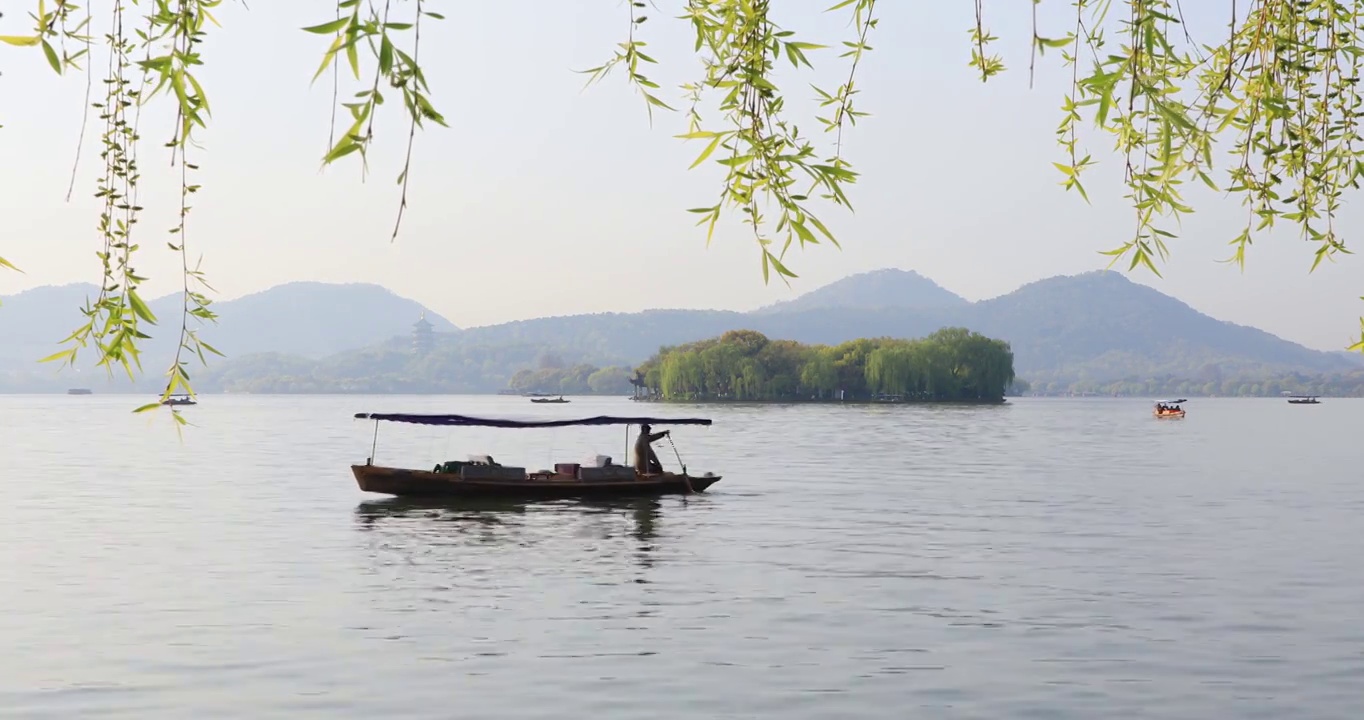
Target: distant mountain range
x,y
1097,319
308,319
1097,326
875,290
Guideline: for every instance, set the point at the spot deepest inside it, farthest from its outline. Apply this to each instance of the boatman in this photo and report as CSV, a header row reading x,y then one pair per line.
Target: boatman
x,y
646,462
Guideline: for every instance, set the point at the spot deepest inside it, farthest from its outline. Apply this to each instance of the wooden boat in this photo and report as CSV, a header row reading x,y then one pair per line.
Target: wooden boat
x,y
559,399
1169,409
1304,400
179,400
482,477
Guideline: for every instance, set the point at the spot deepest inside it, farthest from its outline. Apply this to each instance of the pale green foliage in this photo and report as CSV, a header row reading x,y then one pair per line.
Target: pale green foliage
x,y
1275,90
165,36
152,50
767,160
764,153
1277,87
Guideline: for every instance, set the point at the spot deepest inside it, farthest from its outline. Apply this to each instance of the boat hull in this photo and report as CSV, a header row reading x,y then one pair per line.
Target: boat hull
x,y
401,482
1169,415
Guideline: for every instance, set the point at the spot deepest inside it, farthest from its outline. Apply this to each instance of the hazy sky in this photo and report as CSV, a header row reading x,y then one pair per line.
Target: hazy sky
x,y
545,198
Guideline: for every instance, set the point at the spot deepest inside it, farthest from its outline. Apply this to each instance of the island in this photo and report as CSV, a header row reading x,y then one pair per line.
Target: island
x,y
952,365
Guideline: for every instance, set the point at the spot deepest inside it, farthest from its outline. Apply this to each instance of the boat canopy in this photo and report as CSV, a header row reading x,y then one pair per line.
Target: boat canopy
x,y
467,421
1173,402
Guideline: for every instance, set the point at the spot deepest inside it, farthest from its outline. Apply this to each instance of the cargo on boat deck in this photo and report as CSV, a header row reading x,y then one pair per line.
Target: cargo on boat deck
x,y
609,472
491,472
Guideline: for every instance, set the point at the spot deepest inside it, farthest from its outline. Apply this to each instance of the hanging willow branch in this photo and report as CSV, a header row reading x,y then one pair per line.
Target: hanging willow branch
x,y
1278,99
167,40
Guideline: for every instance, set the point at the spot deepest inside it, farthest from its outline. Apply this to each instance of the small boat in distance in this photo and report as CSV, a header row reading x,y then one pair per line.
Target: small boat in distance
x,y
80,391
559,399
481,477
180,399
1170,409
1304,400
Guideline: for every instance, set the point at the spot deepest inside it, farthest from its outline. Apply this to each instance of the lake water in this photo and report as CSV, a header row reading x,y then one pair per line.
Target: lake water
x,y
1045,559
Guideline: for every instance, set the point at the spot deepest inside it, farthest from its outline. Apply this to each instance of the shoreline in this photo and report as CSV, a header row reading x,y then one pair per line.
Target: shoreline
x,y
826,401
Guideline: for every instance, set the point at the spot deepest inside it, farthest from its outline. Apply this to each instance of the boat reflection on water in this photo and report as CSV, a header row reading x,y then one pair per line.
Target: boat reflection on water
x,y
416,527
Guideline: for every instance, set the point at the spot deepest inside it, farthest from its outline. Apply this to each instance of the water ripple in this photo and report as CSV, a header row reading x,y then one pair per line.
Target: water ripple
x,y
1047,559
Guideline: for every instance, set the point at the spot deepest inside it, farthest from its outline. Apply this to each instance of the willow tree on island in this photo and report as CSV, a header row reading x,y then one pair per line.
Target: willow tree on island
x,y
951,365
1271,88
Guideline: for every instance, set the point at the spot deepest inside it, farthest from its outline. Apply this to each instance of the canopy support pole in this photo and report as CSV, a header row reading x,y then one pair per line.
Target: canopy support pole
x,y
373,445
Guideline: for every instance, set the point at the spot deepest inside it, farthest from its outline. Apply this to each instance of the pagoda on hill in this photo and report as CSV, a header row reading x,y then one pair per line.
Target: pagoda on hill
x,y
422,336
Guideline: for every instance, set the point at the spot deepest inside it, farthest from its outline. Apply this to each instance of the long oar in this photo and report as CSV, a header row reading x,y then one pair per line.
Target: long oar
x,y
685,478
677,454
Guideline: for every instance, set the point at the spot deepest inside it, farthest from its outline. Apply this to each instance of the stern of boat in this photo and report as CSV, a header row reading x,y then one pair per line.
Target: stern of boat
x,y
363,476
702,483
391,481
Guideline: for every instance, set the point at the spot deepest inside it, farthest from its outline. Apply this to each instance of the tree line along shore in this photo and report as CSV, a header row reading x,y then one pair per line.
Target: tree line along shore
x,y
950,365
